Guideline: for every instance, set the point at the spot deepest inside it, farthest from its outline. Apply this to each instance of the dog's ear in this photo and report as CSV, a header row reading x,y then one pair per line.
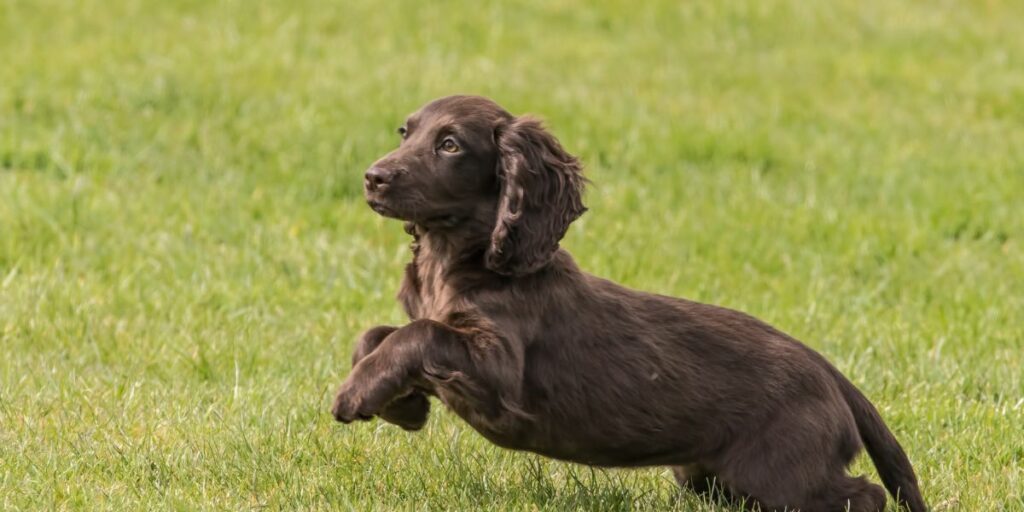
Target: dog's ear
x,y
541,194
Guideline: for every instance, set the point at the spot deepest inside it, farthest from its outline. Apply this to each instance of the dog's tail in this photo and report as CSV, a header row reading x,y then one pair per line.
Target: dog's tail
x,y
887,454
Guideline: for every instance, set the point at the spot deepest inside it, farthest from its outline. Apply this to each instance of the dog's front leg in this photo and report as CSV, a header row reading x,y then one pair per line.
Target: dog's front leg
x,y
410,411
430,355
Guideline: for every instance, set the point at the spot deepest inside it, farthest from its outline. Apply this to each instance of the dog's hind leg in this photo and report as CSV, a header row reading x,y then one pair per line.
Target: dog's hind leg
x,y
700,480
797,461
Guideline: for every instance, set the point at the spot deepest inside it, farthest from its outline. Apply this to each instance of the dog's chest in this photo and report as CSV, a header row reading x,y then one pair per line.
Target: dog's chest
x,y
426,292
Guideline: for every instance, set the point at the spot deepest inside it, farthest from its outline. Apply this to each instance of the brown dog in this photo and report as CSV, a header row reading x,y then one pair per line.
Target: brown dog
x,y
537,355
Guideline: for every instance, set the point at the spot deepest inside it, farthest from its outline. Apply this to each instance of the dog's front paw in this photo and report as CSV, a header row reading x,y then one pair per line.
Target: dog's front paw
x,y
409,412
348,407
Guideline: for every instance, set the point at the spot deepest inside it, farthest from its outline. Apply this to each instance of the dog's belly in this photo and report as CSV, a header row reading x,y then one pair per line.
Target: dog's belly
x,y
619,456
594,441
649,452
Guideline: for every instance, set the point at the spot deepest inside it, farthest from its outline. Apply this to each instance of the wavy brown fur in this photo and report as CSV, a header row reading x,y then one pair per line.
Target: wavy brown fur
x,y
537,355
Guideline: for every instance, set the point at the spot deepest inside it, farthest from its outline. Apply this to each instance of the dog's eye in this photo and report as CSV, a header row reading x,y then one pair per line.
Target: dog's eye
x,y
403,132
449,146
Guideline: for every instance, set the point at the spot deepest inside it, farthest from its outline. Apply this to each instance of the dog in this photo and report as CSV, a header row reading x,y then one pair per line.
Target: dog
x,y
537,355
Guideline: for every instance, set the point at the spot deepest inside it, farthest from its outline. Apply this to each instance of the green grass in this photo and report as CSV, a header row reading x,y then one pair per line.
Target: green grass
x,y
185,257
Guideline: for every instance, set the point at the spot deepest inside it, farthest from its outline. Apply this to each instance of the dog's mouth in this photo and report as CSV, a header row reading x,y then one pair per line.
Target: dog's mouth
x,y
382,208
445,220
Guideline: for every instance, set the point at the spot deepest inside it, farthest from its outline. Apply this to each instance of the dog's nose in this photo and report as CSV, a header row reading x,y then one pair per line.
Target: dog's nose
x,y
378,177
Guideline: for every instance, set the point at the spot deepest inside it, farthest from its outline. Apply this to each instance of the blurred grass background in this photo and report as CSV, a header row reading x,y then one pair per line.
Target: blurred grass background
x,y
185,256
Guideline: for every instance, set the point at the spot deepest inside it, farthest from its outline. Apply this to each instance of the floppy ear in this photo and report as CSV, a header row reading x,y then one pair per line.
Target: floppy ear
x,y
541,194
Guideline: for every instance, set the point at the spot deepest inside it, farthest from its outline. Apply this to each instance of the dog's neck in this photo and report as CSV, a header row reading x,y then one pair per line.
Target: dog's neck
x,y
447,263
451,243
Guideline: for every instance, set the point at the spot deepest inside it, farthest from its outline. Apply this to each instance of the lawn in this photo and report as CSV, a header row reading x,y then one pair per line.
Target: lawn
x,y
186,258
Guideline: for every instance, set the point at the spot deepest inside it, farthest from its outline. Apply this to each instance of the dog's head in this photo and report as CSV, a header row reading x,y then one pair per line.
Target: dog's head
x,y
465,159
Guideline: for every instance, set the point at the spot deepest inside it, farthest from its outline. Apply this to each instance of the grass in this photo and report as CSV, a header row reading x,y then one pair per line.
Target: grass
x,y
185,257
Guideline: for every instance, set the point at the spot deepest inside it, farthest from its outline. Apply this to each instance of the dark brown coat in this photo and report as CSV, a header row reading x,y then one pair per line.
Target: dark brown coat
x,y
537,355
